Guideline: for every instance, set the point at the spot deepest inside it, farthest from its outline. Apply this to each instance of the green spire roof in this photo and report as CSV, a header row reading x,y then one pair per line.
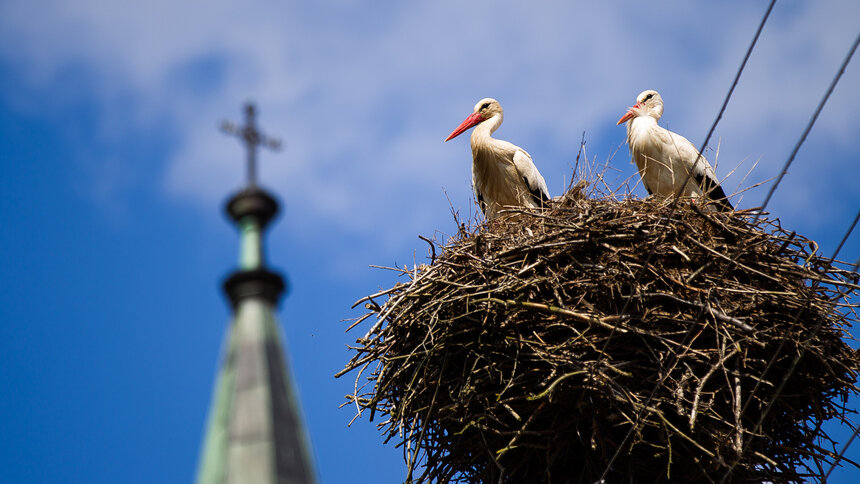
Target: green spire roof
x,y
255,433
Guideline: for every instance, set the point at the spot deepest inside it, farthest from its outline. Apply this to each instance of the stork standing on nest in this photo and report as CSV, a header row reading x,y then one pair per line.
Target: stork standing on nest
x,y
665,159
503,174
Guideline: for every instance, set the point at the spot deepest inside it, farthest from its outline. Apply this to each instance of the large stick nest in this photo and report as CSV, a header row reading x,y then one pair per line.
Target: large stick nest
x,y
620,339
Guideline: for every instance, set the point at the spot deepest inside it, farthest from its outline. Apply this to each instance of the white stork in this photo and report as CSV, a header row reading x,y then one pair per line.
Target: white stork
x,y
503,174
664,158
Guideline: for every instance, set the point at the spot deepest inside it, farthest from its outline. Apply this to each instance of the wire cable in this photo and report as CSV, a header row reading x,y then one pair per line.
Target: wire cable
x,y
757,216
839,456
671,213
814,118
794,361
782,174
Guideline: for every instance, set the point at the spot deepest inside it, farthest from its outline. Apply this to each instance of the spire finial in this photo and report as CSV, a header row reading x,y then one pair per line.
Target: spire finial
x,y
252,139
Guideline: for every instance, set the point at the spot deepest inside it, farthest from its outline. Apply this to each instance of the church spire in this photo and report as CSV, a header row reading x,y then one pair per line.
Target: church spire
x,y
255,431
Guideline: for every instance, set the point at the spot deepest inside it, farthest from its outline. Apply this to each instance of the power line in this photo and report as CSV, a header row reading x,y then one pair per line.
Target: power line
x,y
784,170
756,218
800,141
794,362
813,119
839,456
673,206
671,213
845,447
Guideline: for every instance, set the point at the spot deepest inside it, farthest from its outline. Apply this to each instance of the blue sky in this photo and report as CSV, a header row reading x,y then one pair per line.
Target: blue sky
x,y
113,175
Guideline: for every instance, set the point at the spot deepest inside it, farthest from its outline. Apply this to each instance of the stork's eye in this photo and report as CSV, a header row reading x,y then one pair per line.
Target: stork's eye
x,y
649,96
485,106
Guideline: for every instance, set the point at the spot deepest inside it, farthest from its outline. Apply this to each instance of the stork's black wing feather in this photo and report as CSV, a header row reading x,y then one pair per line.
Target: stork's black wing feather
x,y
481,202
538,195
714,191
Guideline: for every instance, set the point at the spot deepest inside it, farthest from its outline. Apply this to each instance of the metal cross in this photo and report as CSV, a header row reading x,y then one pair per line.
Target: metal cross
x,y
252,139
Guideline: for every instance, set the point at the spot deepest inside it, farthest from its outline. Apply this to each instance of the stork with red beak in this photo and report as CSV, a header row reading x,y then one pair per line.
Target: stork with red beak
x,y
503,174
667,160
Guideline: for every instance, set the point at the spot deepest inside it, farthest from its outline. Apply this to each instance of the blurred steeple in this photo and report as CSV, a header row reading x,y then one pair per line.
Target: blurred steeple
x,y
255,432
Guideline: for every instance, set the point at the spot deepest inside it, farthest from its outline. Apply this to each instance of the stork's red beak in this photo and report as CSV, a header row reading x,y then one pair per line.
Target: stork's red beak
x,y
472,120
629,114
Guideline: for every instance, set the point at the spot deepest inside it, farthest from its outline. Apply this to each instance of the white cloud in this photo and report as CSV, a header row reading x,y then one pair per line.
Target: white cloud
x,y
363,96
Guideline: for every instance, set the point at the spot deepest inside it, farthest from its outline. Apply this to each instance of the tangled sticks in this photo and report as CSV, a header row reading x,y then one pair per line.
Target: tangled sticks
x,y
528,350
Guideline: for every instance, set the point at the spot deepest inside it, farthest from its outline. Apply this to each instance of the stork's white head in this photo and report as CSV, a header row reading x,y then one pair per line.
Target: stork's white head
x,y
648,103
485,109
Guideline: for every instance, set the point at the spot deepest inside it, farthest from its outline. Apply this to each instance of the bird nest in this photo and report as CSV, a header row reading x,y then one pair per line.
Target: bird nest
x,y
625,340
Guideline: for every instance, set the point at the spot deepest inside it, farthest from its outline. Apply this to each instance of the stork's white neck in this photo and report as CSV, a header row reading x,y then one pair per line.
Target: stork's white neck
x,y
485,128
640,127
